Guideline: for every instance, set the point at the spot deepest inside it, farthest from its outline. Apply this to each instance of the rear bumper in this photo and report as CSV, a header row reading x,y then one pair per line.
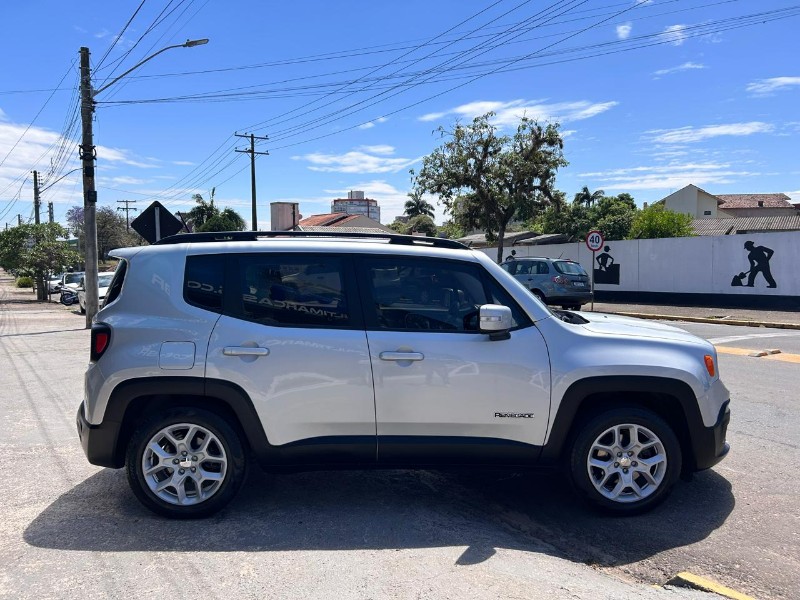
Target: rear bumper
x,y
709,443
99,442
569,298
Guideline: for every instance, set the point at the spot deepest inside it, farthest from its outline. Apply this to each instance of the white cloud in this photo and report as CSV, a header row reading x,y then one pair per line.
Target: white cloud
x,y
795,196
372,124
183,163
509,113
370,159
624,31
687,66
684,135
668,177
767,86
379,149
3,116
675,34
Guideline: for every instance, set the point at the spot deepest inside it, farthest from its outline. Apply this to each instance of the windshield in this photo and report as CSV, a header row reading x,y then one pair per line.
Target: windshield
x,y
73,278
105,280
568,268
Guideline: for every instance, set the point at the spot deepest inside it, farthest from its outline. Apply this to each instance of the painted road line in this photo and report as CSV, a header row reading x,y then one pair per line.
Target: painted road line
x,y
753,336
764,354
689,580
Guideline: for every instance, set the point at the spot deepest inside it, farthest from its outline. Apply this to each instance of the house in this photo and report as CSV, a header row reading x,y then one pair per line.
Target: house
x,y
757,205
700,204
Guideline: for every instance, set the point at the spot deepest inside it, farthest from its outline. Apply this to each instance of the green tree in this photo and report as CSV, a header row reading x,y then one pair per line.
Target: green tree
x,y
485,180
112,231
613,215
450,230
227,220
31,249
202,212
422,224
398,226
587,198
417,206
657,222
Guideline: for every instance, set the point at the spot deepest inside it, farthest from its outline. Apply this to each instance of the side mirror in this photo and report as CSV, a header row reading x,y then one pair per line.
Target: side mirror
x,y
495,320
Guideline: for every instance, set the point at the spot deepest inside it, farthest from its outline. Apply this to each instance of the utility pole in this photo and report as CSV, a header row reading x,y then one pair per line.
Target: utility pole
x,y
252,152
19,219
50,212
41,293
36,201
127,210
87,156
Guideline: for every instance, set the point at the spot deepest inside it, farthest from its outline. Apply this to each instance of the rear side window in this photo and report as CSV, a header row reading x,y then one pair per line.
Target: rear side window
x,y
292,290
202,283
116,283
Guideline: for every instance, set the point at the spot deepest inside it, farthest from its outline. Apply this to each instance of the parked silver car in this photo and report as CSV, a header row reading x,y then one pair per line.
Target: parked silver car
x,y
552,280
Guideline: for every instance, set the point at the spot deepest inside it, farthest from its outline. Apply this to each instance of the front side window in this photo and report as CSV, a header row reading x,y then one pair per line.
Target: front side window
x,y
435,295
292,290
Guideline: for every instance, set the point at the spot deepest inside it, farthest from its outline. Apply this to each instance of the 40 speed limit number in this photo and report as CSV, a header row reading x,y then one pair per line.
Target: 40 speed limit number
x,y
594,240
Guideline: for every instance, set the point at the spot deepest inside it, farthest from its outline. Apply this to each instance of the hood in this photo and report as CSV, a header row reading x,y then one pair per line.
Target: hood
x,y
617,325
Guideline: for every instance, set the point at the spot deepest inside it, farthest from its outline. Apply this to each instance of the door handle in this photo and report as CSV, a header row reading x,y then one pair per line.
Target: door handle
x,y
245,351
414,356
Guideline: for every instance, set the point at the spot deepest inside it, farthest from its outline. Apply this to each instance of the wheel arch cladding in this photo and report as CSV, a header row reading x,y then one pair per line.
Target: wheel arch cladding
x,y
133,400
673,400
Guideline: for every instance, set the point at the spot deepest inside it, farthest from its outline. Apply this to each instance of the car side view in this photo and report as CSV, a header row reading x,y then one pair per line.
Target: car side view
x,y
553,281
307,351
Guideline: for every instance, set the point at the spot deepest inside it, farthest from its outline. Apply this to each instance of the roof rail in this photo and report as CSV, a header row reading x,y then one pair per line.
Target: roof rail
x,y
253,236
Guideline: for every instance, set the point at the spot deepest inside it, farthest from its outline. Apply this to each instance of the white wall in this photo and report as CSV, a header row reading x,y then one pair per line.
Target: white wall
x,y
696,265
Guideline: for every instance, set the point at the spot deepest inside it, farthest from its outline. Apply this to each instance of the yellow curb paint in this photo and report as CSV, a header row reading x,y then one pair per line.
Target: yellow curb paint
x,y
781,357
737,351
791,358
690,580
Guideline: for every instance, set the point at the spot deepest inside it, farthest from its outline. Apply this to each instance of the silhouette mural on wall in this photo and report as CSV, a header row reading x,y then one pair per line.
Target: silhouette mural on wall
x,y
607,269
759,257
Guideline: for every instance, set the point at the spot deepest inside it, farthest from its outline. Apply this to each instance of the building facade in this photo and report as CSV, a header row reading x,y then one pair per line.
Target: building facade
x,y
357,204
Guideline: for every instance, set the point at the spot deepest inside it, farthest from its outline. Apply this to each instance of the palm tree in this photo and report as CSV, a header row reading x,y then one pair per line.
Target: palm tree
x,y
416,206
588,198
202,212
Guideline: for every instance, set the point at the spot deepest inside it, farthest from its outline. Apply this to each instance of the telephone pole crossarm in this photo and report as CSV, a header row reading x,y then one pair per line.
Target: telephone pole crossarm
x,y
252,152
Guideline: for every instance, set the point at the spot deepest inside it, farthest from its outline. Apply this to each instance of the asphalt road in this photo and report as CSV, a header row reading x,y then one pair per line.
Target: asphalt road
x,y
71,530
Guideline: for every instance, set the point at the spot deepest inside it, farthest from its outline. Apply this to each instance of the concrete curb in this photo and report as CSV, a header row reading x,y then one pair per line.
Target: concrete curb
x,y
689,580
739,322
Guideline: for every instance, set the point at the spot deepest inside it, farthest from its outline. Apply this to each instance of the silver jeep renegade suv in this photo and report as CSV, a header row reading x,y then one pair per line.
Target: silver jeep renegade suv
x,y
322,351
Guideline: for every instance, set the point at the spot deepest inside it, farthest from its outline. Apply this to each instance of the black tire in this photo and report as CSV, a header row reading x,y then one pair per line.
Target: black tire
x,y
83,310
229,446
627,503
540,296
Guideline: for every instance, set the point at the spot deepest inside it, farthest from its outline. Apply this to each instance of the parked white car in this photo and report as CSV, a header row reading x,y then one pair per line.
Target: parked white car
x,y
103,281
381,351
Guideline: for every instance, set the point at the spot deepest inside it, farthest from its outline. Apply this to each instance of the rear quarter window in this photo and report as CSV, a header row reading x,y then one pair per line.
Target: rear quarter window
x,y
116,283
202,282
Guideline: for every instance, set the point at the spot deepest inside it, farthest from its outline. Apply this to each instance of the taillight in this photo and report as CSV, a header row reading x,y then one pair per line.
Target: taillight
x,y
101,340
560,280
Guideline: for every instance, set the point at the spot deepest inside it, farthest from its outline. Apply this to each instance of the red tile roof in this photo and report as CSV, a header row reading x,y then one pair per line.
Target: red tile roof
x,y
752,201
331,220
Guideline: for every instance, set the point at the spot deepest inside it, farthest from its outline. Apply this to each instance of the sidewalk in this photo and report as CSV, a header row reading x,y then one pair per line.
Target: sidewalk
x,y
702,314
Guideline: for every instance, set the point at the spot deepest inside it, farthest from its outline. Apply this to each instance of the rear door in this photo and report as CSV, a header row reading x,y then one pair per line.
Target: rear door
x,y
291,335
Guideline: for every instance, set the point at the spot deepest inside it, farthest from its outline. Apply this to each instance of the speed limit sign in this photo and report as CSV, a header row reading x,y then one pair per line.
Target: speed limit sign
x,y
594,240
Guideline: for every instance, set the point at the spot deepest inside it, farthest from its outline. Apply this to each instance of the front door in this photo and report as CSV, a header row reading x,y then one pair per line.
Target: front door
x,y
444,392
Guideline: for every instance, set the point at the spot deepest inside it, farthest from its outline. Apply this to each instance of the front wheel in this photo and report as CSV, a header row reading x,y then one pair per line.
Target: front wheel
x,y
625,460
185,463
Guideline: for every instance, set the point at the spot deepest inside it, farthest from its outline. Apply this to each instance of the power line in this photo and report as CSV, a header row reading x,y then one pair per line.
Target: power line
x,y
118,37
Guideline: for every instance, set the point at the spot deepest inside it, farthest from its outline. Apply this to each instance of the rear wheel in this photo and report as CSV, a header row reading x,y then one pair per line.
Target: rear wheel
x,y
185,463
625,460
540,296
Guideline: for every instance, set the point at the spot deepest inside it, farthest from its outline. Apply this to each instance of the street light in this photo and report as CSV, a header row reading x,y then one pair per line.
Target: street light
x,y
88,156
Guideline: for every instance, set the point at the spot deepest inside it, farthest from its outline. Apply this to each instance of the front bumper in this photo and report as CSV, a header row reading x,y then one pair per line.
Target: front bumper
x,y
709,443
99,442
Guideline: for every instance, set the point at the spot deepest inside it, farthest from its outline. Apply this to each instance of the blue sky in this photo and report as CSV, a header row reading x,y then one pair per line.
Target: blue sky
x,y
651,95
